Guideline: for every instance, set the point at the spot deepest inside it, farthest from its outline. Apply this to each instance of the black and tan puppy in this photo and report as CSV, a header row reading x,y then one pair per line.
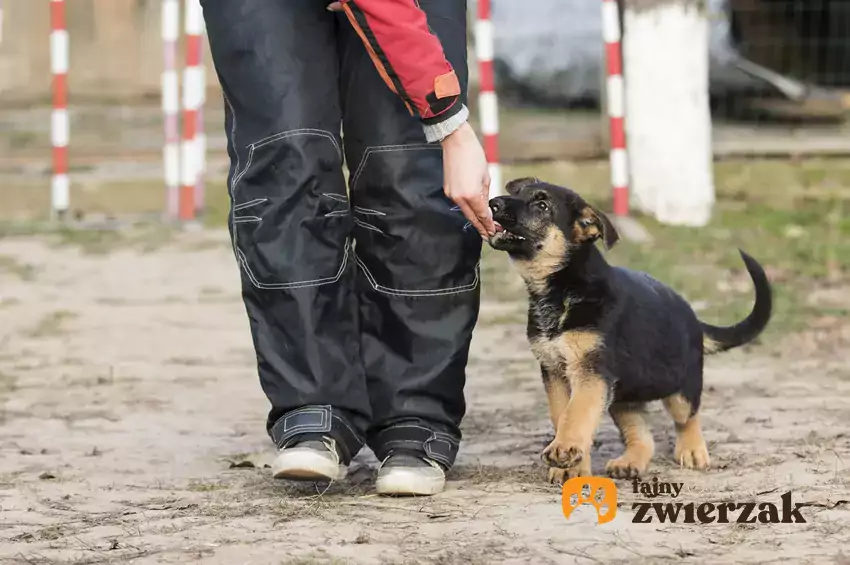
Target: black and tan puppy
x,y
608,337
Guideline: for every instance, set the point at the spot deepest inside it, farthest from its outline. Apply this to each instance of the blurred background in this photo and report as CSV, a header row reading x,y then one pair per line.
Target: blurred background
x,y
779,86
120,331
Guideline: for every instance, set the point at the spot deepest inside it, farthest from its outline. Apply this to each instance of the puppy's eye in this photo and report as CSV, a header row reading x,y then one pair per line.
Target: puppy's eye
x,y
542,205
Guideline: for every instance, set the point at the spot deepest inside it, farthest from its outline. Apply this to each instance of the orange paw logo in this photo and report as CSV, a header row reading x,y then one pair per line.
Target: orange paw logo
x,y
599,492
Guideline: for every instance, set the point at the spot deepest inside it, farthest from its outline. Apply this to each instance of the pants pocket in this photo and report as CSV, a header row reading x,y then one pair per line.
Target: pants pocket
x,y
411,239
290,216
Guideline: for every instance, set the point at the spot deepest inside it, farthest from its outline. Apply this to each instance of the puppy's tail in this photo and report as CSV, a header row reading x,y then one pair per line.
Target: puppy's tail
x,y
716,339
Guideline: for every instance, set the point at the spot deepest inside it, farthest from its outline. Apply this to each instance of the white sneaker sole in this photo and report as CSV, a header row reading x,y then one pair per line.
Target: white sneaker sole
x,y
306,465
403,482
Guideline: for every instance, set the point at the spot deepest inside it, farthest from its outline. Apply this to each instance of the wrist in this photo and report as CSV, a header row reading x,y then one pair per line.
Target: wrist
x,y
462,132
440,131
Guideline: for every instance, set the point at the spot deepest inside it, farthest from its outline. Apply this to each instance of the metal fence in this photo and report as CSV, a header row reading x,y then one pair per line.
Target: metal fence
x,y
779,73
784,89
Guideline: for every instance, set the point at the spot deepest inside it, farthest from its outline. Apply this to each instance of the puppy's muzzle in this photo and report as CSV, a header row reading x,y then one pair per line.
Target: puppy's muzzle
x,y
499,207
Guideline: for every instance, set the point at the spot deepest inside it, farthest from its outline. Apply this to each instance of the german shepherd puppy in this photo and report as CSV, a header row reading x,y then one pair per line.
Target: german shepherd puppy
x,y
608,337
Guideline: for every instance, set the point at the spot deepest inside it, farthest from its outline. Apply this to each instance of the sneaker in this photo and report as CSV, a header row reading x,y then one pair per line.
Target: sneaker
x,y
315,460
408,475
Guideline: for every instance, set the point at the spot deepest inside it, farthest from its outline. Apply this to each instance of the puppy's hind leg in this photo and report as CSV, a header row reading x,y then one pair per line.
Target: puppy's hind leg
x,y
691,451
637,437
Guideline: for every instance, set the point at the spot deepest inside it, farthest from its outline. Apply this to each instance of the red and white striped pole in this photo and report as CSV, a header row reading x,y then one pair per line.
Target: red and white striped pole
x,y
192,97
171,104
59,123
488,107
612,35
201,138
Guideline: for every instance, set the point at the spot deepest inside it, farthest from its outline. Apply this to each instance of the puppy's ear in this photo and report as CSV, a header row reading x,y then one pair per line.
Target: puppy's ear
x,y
593,224
514,186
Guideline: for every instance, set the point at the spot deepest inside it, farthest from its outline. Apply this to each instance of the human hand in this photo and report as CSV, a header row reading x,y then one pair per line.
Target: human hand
x,y
466,179
334,7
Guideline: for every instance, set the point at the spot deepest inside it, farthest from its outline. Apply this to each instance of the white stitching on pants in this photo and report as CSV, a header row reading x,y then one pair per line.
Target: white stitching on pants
x,y
298,427
337,197
246,220
385,149
297,284
250,203
434,434
368,211
353,185
401,292
233,142
368,226
243,260
293,132
236,173
325,424
337,213
245,170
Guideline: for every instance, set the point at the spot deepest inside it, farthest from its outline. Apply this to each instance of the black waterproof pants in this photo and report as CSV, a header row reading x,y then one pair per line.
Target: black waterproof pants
x,y
361,298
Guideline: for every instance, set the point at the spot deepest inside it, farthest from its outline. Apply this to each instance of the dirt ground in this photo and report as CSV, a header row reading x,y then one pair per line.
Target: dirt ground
x,y
132,431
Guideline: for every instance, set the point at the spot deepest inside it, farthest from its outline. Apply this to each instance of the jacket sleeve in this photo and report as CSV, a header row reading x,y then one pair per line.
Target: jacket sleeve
x,y
411,61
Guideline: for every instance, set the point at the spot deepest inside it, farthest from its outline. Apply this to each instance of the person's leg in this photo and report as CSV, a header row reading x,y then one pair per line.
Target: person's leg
x,y
290,219
417,258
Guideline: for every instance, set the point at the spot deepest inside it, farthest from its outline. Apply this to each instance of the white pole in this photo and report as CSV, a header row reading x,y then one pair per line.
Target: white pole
x,y
60,124
665,54
171,104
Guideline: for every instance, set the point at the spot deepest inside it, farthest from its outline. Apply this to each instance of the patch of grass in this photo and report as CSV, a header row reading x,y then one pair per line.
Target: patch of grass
x,y
314,559
21,139
144,238
186,361
207,245
201,486
50,533
512,318
9,480
89,241
8,384
52,324
23,271
9,302
796,247
109,301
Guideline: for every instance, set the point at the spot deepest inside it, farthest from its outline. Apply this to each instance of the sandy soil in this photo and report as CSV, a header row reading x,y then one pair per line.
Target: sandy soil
x,y
131,431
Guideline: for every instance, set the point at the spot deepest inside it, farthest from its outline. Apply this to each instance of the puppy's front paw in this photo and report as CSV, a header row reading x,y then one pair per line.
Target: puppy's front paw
x,y
692,455
558,476
625,467
563,454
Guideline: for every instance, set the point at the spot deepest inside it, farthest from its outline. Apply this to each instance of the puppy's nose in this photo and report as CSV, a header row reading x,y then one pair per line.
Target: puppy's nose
x,y
497,204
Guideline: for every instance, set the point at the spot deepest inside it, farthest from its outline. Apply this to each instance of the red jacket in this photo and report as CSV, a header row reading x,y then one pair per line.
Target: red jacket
x,y
408,56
